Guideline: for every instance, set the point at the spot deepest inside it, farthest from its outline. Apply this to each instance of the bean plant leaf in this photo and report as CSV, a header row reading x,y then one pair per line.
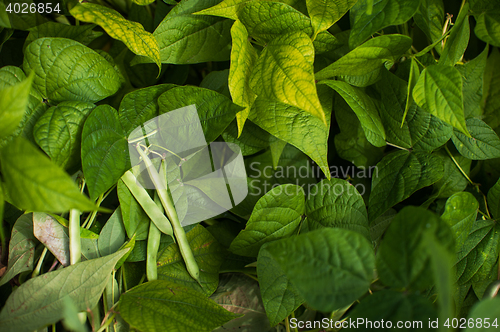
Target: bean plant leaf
x,y
494,200
326,13
208,253
59,130
384,14
59,78
21,248
143,2
132,34
215,110
13,103
161,305
488,27
337,203
279,295
460,213
491,90
284,72
330,267
429,18
83,34
184,38
53,236
276,215
367,57
38,302
112,235
402,259
104,150
34,183
487,310
399,175
458,40
483,143
439,92
243,58
365,110
472,73
290,124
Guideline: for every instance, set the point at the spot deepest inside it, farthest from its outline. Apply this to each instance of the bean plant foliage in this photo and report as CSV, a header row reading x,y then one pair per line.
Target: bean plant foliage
x,y
369,131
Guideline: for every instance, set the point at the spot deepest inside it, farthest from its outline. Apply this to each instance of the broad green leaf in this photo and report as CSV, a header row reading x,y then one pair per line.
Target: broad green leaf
x,y
162,305
491,90
104,150
384,14
135,220
231,8
472,73
379,226
290,124
83,33
59,130
365,110
453,181
279,295
52,235
58,77
13,103
483,143
485,311
351,143
392,306
325,13
241,295
399,175
21,248
112,235
460,213
368,57
145,2
34,183
478,257
330,267
429,18
132,34
458,40
252,139
488,27
140,106
276,148
9,76
284,72
494,200
184,38
243,58
216,111
276,215
208,253
337,203
403,260
439,92
38,302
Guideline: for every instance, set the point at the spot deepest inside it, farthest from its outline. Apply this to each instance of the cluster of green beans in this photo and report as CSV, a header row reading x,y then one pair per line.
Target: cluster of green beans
x,y
170,225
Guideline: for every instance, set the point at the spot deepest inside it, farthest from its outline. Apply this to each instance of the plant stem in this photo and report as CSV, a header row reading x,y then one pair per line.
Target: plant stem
x,y
107,323
36,272
295,329
75,246
397,146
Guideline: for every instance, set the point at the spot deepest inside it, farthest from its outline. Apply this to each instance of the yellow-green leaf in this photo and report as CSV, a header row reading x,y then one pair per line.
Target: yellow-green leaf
x,y
243,57
284,72
130,33
143,2
324,13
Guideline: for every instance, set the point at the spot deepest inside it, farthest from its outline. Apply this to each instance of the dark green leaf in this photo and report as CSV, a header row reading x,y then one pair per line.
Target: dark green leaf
x,y
484,143
458,40
83,34
484,311
112,235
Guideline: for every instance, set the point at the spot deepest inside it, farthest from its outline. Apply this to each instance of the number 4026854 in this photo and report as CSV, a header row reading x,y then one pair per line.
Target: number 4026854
x,y
32,8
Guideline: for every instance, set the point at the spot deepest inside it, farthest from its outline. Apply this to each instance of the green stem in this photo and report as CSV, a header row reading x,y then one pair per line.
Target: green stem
x,y
75,246
180,235
295,329
458,166
397,146
36,272
107,323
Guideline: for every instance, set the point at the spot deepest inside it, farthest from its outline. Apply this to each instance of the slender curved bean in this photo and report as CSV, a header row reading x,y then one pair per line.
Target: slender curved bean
x,y
149,206
180,235
152,251
75,245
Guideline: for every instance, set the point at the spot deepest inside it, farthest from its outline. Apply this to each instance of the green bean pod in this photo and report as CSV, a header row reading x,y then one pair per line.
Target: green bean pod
x,y
148,205
180,235
152,251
